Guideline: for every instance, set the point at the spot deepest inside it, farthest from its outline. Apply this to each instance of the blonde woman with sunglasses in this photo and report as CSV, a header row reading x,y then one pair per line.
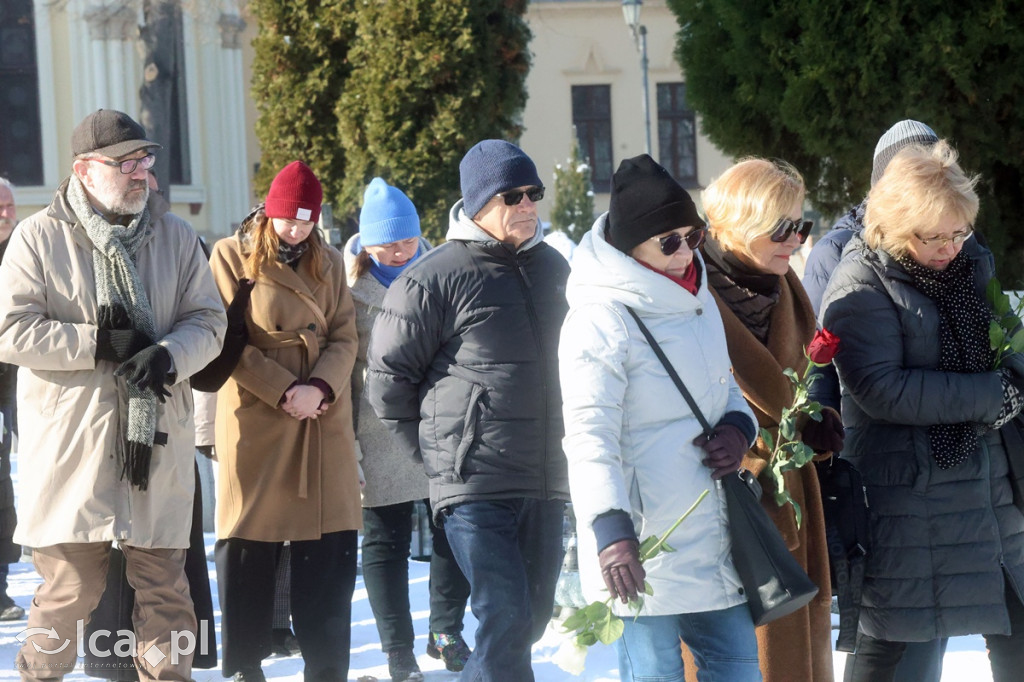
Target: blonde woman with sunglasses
x,y
637,456
755,219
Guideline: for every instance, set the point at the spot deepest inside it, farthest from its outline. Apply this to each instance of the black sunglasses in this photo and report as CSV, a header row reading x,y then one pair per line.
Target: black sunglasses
x,y
515,196
787,226
670,243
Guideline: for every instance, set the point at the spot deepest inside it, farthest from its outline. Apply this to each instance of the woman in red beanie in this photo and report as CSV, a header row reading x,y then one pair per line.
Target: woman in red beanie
x,y
285,441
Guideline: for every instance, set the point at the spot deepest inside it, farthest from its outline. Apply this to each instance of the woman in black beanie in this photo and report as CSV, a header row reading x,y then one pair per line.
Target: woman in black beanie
x,y
637,456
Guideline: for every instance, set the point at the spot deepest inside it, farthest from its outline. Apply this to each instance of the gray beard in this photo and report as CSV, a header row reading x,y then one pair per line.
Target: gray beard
x,y
122,205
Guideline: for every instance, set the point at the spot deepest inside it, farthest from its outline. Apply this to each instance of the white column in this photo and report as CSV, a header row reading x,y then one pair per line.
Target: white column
x,y
232,102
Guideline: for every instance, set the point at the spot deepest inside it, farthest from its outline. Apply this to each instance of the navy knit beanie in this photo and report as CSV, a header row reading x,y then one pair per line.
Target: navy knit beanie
x,y
903,134
387,215
492,167
646,201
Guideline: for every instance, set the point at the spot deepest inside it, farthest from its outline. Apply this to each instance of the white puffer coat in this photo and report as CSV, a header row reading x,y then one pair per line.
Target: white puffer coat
x,y
629,433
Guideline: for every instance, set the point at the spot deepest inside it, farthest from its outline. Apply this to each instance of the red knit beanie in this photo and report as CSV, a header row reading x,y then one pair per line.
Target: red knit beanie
x,y
295,194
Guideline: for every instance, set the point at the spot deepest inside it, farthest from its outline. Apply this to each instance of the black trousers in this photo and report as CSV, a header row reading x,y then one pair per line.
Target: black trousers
x,y
387,534
323,579
877,660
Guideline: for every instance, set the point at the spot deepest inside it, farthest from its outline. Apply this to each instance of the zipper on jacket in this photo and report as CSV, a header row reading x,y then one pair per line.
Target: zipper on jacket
x,y
524,281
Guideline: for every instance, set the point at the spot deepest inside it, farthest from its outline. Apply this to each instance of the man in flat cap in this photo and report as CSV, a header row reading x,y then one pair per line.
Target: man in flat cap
x,y
107,306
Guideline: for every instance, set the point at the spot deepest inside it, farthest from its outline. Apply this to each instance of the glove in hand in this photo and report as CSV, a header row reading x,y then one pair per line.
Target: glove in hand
x,y
1013,400
239,304
148,369
826,435
621,569
725,449
117,345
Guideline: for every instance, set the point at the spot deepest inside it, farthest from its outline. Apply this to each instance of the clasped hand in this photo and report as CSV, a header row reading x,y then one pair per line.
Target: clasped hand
x,y
304,401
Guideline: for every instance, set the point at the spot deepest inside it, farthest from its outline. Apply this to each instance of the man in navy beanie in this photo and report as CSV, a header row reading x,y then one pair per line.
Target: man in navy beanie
x,y
463,367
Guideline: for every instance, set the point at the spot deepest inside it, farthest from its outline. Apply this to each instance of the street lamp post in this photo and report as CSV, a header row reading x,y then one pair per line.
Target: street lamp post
x,y
631,13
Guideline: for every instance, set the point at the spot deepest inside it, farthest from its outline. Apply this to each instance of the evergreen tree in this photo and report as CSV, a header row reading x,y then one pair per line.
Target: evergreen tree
x,y
573,209
430,78
817,83
299,72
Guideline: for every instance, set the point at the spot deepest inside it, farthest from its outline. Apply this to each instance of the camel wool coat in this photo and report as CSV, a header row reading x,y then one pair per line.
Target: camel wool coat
x,y
281,478
799,646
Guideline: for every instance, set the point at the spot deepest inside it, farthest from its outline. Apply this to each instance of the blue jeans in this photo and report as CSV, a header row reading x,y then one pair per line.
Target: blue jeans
x,y
511,553
722,642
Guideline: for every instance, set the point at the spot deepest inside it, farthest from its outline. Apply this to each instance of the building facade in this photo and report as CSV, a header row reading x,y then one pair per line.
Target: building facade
x,y
61,60
586,76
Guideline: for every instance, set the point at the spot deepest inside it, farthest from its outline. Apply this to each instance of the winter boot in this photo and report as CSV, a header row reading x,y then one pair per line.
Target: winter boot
x,y
451,649
402,666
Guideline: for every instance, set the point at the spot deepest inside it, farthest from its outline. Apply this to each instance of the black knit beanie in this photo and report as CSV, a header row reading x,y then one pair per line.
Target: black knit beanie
x,y
646,201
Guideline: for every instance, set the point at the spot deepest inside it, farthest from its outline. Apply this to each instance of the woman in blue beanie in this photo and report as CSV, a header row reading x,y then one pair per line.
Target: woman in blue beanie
x,y
388,242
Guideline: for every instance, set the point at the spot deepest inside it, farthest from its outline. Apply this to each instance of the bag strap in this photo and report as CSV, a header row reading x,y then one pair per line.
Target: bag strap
x,y
672,373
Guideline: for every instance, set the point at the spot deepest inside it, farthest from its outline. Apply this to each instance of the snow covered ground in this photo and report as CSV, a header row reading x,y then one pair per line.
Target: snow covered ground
x,y
965,657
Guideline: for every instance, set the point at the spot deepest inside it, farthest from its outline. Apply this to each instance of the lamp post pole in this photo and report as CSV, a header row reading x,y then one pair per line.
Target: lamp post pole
x,y
631,13
643,68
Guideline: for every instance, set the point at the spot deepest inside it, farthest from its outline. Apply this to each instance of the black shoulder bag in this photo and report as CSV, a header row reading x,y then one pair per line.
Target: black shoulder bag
x,y
774,583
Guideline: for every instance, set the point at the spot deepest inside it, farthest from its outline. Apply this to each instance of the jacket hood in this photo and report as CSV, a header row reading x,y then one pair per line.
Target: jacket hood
x,y
853,219
602,274
353,246
462,228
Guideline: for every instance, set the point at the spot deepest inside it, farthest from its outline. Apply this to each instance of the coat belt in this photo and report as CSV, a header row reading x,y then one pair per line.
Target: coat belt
x,y
307,338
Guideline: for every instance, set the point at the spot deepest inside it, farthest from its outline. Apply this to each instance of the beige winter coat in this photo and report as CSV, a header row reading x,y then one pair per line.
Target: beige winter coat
x,y
281,478
70,487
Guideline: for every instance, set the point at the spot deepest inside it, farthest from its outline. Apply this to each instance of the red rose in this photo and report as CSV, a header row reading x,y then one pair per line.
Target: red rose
x,y
823,347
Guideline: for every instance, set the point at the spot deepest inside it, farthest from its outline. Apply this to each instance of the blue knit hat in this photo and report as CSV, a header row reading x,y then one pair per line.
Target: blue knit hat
x,y
387,215
492,167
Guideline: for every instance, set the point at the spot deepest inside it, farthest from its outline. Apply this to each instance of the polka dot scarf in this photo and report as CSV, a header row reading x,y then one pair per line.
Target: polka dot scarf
x,y
963,335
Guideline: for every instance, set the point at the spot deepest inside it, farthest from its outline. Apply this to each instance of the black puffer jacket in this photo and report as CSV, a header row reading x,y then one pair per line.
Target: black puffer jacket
x,y
463,366
940,537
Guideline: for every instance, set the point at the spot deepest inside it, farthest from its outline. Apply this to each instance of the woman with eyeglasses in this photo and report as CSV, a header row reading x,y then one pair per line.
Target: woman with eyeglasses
x,y
637,456
925,406
755,220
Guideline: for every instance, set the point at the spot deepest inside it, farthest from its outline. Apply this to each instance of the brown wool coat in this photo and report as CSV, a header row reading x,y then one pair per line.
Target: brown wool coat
x,y
799,646
281,478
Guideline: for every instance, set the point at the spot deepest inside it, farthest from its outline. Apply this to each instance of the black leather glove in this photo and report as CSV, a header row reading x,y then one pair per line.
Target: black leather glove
x,y
621,569
117,345
826,435
239,304
148,369
725,449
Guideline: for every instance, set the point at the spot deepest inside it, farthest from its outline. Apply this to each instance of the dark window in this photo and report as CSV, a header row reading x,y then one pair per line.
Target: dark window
x,y
592,116
181,165
677,134
21,145
164,105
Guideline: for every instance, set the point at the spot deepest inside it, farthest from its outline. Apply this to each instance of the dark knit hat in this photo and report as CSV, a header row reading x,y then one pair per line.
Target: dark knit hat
x,y
903,134
295,194
646,201
110,133
492,167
